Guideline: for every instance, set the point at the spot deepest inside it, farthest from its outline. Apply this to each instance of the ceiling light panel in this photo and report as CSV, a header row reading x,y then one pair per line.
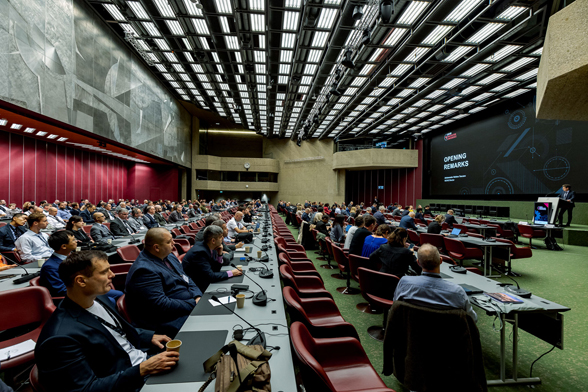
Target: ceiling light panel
x,y
232,42
257,22
314,56
530,74
401,69
502,53
482,97
476,69
511,12
504,86
162,44
200,26
175,27
284,69
416,54
458,53
151,29
223,6
192,8
224,22
114,12
327,18
310,69
320,39
437,35
455,82
288,40
164,8
290,20
204,43
257,5
412,12
515,93
285,56
484,33
518,64
419,82
394,36
462,10
171,57
376,55
138,9
491,78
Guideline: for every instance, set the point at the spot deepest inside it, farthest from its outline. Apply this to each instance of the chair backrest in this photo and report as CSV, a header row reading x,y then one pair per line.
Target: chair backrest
x,y
329,244
176,233
453,245
314,233
87,228
128,253
414,237
121,305
119,281
448,260
294,303
305,349
377,284
283,258
340,258
525,230
182,241
35,281
34,380
120,268
433,239
24,306
181,258
288,277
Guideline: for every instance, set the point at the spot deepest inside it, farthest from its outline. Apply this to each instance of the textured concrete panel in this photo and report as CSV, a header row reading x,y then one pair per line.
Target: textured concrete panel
x,y
562,81
375,158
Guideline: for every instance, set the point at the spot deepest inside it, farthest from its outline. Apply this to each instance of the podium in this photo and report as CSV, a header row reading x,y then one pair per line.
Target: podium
x,y
554,205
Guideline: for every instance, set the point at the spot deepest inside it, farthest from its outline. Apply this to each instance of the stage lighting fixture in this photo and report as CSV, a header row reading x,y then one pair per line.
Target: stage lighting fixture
x,y
334,91
386,10
315,119
357,12
299,141
366,37
347,61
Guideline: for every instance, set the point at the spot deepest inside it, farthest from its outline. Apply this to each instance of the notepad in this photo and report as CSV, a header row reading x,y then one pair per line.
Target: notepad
x,y
224,300
18,349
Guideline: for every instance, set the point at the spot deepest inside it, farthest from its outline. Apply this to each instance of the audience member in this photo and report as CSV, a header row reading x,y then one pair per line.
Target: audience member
x,y
435,226
62,212
108,214
159,295
430,289
398,211
149,218
33,245
63,243
337,230
75,209
136,220
88,211
373,242
54,221
379,215
86,345
75,225
352,230
120,226
236,227
99,232
394,257
321,226
356,245
159,216
177,215
450,219
407,221
11,232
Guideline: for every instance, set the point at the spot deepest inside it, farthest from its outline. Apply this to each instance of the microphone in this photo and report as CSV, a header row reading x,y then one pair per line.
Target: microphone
x,y
258,339
9,259
265,258
134,240
518,291
26,276
259,299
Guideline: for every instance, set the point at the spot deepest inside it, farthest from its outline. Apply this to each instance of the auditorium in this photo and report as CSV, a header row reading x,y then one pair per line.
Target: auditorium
x,y
293,195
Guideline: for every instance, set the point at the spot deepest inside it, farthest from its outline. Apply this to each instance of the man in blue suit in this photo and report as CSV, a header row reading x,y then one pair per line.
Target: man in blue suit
x,y
450,219
204,260
407,221
567,196
159,295
87,213
99,232
149,217
9,233
86,345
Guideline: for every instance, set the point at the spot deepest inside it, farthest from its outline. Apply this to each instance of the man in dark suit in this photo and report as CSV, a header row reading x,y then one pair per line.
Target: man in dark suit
x,y
63,243
204,260
159,295
159,217
407,221
10,232
108,213
99,232
149,217
567,196
86,345
87,213
119,226
450,219
177,215
356,246
379,215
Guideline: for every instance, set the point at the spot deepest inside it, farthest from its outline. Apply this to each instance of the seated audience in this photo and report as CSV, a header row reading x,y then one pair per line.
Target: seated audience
x,y
33,245
99,232
62,212
75,209
352,230
177,215
322,225
159,217
352,212
204,260
11,232
108,213
120,226
428,211
86,345
430,289
435,226
398,211
136,220
338,229
149,218
88,211
407,221
75,225
306,215
236,226
450,219
356,245
379,215
419,213
373,242
159,295
394,256
192,213
63,243
54,221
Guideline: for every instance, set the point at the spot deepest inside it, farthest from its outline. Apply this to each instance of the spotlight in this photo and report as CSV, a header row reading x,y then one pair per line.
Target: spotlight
x,y
386,10
366,37
357,12
299,141
315,119
442,55
347,61
334,91
338,72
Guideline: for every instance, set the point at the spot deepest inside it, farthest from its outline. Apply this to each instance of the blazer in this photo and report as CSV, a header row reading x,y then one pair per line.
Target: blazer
x,y
117,227
7,237
159,298
76,212
175,217
75,352
50,277
149,221
135,223
434,228
192,213
86,216
202,266
380,218
571,196
160,219
81,236
450,219
407,223
395,260
100,233
356,246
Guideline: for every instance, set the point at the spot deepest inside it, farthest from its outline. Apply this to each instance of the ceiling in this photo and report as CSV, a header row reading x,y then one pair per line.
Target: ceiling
x,y
282,67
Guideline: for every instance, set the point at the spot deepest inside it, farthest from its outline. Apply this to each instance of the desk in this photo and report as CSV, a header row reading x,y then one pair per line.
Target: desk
x,y
546,323
481,228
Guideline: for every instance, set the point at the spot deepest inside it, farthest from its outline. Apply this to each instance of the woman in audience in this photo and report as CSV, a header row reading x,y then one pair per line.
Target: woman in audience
x,y
338,229
435,226
317,218
326,209
76,224
352,212
394,256
373,242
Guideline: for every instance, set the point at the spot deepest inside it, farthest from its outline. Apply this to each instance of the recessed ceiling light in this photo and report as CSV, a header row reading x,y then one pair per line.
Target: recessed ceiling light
x,y
52,136
3,121
41,133
62,139
16,126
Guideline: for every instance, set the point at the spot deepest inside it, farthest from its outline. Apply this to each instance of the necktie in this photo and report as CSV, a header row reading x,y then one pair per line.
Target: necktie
x,y
566,195
127,226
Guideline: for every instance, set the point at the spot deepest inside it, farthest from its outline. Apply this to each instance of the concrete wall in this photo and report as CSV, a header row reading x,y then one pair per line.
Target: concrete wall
x,y
237,186
376,158
209,162
305,180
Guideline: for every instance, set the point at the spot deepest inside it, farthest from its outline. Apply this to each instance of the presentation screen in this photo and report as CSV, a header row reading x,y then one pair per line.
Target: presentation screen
x,y
510,152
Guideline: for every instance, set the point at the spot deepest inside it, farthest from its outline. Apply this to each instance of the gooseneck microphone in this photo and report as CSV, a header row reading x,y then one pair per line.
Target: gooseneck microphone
x,y
25,270
134,240
24,277
259,299
518,291
259,338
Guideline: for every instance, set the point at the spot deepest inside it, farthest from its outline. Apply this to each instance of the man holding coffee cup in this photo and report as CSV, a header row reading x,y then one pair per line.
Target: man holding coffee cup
x,y
86,345
204,260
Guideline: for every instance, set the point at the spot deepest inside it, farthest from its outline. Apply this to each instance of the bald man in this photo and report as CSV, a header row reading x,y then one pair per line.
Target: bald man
x,y
159,295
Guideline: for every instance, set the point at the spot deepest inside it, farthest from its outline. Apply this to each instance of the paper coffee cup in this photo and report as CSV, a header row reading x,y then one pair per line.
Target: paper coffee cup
x,y
248,249
173,345
240,300
79,249
259,254
40,262
109,241
240,267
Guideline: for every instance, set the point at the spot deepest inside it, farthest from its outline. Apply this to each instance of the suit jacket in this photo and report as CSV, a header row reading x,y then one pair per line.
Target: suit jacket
x,y
81,235
202,266
100,233
356,246
86,216
192,213
50,277
160,219
135,223
149,221
159,298
76,212
571,196
434,228
407,223
75,352
118,228
450,219
176,217
109,215
7,237
380,218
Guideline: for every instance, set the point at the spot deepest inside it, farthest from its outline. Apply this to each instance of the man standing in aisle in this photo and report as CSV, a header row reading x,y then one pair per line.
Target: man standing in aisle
x,y
567,196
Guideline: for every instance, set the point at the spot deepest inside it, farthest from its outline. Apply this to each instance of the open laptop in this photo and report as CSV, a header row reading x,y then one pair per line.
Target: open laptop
x,y
454,233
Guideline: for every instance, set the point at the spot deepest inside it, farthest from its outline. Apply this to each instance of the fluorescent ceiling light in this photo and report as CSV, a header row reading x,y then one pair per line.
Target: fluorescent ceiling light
x,y
257,5
114,12
388,81
179,67
171,57
306,80
437,35
320,39
160,68
421,103
518,64
62,139
41,133
405,93
376,54
476,110
502,53
436,94
491,78
476,69
29,130
290,20
358,81
367,69
3,121
153,57
143,45
175,27
259,56
412,12
224,22
453,83
283,79
462,10
310,69
511,12
484,33
458,53
394,36
293,3
186,78
162,44
314,56
285,56
482,97
327,18
164,8
538,52
138,9
419,82
223,6
515,93
16,126
401,69
204,43
288,40
350,91
151,29
260,68
416,54
469,90
504,86
187,44
52,136
189,57
232,42
215,57
530,74
257,22
284,69
200,26
197,68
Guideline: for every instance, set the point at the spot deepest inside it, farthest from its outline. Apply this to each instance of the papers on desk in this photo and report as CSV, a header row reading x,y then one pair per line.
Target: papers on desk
x,y
241,249
18,349
225,300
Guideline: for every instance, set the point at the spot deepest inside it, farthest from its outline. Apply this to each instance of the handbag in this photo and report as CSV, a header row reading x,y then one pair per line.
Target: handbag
x,y
244,369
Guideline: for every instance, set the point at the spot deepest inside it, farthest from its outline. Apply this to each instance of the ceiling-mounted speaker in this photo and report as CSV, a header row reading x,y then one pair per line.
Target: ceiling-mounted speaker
x,y
357,12
347,61
386,10
334,91
366,37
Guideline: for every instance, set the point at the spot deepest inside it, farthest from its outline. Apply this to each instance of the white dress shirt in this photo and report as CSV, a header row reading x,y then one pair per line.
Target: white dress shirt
x,y
32,246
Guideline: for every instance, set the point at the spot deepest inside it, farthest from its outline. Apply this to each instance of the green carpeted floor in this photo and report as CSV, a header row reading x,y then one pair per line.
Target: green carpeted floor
x,y
558,276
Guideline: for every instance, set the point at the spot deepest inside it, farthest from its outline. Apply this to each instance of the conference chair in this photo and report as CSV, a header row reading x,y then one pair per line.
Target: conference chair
x,y
378,289
333,364
320,315
514,253
20,307
413,237
329,247
37,283
13,256
121,305
299,267
305,286
501,233
422,361
530,233
34,380
289,246
355,262
120,268
87,229
433,239
128,253
184,244
457,250
342,261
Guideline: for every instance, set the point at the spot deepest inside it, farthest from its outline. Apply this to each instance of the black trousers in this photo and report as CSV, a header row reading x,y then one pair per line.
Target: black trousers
x,y
563,207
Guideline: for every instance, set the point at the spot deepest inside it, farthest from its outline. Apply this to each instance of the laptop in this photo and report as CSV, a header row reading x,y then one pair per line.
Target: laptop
x,y
257,226
454,233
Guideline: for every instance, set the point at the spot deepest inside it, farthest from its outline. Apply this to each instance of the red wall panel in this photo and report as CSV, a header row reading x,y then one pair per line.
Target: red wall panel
x,y
147,181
